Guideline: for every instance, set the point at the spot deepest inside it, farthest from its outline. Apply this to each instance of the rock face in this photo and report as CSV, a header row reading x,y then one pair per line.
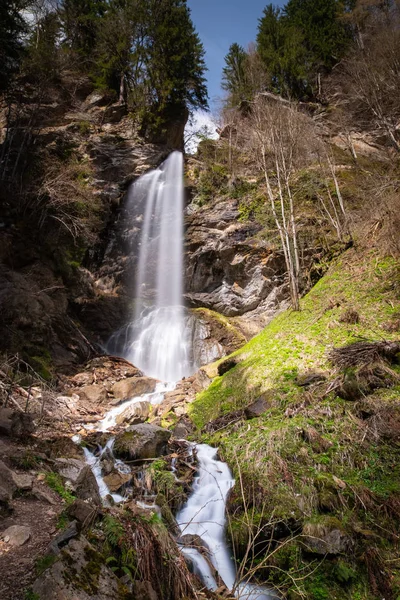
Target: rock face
x,y
80,574
141,441
228,269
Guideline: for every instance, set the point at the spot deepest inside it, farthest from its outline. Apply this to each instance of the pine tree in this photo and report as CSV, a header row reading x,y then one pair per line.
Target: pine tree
x,y
12,28
325,34
80,22
281,47
234,75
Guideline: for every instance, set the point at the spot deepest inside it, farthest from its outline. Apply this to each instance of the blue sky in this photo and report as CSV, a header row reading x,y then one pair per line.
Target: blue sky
x,y
219,23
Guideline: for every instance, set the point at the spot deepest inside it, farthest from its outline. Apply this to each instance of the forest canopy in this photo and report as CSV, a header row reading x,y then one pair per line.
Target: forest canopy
x,y
146,52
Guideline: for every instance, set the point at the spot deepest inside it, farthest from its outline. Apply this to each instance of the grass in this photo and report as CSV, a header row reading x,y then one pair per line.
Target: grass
x,y
344,472
55,482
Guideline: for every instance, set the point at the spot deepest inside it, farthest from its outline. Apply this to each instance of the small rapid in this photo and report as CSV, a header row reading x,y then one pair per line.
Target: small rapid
x,y
158,342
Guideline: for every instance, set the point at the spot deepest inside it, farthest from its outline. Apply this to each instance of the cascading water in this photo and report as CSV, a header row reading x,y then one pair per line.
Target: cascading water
x,y
158,340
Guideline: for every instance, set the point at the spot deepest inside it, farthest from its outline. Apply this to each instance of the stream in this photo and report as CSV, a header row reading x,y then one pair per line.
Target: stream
x,y
157,341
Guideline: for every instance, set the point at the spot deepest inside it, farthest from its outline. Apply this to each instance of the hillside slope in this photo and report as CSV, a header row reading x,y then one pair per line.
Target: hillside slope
x,y
319,491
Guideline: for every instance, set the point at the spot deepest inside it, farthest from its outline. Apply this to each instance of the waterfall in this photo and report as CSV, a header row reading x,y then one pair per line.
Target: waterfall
x,y
158,339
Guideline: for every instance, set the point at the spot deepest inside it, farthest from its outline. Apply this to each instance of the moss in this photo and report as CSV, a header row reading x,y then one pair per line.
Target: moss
x,y
55,482
44,562
352,482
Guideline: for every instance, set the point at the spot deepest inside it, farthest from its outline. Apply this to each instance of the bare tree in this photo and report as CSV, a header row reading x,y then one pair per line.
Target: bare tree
x,y
280,138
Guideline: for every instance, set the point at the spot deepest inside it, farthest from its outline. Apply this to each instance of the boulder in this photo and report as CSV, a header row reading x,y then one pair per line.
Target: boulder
x,y
5,421
7,484
79,574
82,512
114,114
23,481
114,481
81,477
326,537
69,468
135,413
142,441
16,535
257,408
132,387
86,486
94,394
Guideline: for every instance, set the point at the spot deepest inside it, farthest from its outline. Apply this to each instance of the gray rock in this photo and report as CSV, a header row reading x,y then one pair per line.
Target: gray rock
x,y
142,441
79,574
86,486
326,538
7,484
81,477
22,424
82,512
16,535
23,481
69,468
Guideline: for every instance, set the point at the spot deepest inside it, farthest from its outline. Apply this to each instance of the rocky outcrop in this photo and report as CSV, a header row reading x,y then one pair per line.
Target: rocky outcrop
x,y
228,269
141,441
80,574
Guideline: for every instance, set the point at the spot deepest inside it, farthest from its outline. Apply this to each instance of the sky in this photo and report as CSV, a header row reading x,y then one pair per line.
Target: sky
x,y
219,24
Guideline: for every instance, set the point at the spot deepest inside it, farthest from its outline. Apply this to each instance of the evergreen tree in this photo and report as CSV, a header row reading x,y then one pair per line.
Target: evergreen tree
x,y
12,28
80,21
234,75
175,57
281,48
325,34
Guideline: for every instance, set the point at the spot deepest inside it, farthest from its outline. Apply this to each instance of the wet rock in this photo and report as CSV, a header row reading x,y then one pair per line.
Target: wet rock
x,y
94,394
191,540
79,574
114,481
136,413
257,408
16,535
132,387
182,429
142,441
